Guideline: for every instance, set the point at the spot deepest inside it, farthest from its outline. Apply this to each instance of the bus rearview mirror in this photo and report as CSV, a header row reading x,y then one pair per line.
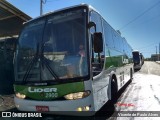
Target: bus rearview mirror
x,y
98,42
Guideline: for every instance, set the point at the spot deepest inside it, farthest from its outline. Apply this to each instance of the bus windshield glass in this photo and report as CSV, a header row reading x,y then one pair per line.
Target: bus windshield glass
x,y
53,47
136,57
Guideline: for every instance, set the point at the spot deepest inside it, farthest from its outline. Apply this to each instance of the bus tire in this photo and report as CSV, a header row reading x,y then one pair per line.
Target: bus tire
x,y
113,90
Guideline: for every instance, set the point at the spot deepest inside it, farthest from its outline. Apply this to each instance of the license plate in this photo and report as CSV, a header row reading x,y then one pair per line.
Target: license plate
x,y
42,108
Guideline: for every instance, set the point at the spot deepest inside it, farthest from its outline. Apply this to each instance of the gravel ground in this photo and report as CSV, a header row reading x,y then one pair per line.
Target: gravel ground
x,y
6,102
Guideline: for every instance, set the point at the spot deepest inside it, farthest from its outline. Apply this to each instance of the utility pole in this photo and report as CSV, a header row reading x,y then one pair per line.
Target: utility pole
x,y
41,7
159,52
156,50
156,54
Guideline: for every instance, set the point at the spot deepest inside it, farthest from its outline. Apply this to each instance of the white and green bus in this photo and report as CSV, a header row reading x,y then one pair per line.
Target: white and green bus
x,y
70,60
138,59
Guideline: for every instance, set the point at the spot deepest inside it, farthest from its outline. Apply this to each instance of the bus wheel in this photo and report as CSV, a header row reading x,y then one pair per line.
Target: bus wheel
x,y
113,90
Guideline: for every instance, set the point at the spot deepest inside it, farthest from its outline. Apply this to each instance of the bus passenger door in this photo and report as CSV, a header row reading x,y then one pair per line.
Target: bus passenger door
x,y
97,57
100,85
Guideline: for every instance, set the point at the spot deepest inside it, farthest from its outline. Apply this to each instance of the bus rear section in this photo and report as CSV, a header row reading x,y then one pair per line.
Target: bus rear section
x,y
142,58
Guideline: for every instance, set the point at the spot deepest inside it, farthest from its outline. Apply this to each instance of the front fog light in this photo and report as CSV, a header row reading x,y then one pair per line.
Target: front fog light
x,y
79,109
86,108
19,95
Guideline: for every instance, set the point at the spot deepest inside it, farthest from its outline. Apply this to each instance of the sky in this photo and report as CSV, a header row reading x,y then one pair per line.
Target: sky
x,y
137,20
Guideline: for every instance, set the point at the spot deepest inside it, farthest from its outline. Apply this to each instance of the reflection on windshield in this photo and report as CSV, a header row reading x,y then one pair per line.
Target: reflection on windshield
x,y
49,48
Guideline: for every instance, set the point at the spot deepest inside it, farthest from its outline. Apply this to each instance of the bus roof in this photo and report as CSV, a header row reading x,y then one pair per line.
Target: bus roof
x,y
80,5
75,6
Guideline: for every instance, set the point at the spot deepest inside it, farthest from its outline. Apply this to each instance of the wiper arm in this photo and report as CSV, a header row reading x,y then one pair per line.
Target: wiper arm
x,y
49,68
35,58
31,64
29,68
45,62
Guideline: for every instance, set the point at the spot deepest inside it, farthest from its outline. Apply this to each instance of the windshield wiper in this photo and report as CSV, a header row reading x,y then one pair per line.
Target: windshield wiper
x,y
35,58
49,68
45,62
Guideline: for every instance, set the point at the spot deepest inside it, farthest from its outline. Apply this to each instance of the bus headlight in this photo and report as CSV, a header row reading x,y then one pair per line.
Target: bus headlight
x,y
19,95
78,95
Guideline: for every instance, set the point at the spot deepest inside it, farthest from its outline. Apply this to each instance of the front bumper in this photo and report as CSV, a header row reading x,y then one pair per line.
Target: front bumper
x,y
66,107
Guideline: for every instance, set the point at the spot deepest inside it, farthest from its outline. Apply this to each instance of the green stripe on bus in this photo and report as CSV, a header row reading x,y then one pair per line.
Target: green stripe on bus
x,y
49,92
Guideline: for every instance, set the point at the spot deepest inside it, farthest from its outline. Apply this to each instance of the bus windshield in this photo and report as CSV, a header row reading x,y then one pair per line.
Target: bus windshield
x,y
53,48
136,57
